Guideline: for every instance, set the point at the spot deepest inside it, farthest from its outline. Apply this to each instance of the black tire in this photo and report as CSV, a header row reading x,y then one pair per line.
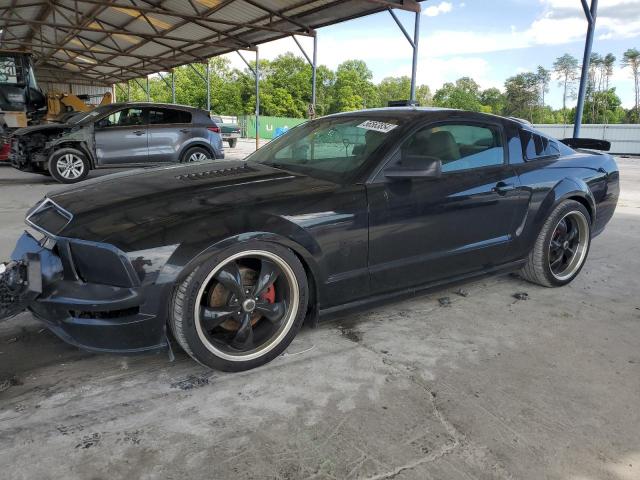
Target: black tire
x,y
233,142
195,154
69,165
189,327
548,250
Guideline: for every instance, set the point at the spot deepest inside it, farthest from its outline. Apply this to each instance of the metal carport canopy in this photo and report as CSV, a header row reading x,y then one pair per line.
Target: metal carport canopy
x,y
111,41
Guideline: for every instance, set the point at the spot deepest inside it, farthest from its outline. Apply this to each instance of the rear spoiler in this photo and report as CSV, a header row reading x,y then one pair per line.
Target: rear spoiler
x,y
589,143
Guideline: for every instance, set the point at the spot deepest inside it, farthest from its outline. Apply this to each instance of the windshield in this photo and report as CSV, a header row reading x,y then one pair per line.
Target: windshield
x,y
86,117
331,148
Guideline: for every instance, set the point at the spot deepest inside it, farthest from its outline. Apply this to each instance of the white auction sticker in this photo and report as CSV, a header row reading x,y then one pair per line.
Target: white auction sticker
x,y
377,126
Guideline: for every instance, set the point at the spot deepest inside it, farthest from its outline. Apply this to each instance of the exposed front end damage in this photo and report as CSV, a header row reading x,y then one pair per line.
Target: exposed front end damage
x,y
20,284
91,294
31,147
108,310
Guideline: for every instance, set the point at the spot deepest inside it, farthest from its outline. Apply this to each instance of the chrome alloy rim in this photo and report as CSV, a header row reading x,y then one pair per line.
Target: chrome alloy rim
x,y
197,157
243,323
70,166
569,245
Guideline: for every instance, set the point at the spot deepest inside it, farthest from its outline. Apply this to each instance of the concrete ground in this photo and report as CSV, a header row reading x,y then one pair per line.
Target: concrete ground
x,y
486,387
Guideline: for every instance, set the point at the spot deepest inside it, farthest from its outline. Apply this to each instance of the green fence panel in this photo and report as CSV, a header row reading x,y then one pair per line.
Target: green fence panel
x,y
268,125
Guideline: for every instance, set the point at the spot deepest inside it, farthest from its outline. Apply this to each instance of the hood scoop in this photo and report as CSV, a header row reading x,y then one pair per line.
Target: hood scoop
x,y
221,172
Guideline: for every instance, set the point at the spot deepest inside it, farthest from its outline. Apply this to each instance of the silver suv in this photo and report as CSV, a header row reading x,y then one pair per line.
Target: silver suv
x,y
116,135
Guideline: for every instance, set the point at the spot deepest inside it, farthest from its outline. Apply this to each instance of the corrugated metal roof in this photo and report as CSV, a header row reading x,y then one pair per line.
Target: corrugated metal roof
x,y
108,41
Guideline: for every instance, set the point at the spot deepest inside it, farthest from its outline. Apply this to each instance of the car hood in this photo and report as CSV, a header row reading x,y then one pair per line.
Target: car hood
x,y
105,209
51,127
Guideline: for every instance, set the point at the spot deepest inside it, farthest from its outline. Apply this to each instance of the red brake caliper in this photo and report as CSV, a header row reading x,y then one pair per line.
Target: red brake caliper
x,y
270,294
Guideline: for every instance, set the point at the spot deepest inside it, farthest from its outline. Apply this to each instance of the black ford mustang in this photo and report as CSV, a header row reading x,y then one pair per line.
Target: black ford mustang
x,y
231,257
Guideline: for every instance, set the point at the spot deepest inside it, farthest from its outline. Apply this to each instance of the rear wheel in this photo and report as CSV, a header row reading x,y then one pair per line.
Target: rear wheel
x,y
562,246
69,165
195,154
233,142
242,308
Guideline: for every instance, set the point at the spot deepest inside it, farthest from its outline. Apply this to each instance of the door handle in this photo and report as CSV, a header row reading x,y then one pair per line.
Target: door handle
x,y
502,188
138,132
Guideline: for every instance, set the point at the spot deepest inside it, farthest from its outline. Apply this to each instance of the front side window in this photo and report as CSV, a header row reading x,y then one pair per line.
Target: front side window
x,y
331,148
164,116
457,146
535,147
123,118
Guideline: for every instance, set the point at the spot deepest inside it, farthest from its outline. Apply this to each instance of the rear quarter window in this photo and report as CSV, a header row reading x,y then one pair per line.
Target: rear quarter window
x,y
536,147
163,116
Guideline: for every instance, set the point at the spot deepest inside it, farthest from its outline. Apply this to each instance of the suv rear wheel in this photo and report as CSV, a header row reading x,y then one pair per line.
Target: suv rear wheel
x,y
69,165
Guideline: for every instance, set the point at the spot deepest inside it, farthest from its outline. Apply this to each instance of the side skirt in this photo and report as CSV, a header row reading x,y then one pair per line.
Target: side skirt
x,y
378,300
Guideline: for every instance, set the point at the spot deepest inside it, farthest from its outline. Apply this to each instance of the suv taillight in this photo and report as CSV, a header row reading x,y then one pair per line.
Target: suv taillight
x,y
214,129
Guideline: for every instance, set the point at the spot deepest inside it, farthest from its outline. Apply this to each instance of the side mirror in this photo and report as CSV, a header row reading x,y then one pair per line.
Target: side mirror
x,y
416,166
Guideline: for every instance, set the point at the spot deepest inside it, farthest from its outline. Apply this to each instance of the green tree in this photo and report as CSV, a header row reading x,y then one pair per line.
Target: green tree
x,y
631,59
606,108
609,63
494,99
566,69
353,88
521,95
544,77
463,94
394,88
423,95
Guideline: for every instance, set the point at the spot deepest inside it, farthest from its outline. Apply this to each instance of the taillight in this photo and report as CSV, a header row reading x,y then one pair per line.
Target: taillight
x,y
214,129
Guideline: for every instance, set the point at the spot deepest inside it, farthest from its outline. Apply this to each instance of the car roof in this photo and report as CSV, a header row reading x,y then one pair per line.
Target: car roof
x,y
160,105
413,112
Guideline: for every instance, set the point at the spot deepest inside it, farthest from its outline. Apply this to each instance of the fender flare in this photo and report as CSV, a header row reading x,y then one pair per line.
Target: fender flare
x,y
565,189
299,250
172,274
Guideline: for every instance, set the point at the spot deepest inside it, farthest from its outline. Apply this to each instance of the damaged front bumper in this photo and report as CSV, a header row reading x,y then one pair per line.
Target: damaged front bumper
x,y
20,284
45,278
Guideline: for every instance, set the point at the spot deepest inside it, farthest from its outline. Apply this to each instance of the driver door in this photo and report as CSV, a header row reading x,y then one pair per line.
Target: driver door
x,y
121,137
427,229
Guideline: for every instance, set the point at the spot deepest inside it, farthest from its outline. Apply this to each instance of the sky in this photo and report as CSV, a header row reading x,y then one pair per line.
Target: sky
x,y
488,40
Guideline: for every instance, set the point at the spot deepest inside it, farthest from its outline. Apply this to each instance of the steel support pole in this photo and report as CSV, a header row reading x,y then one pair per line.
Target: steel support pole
x,y
173,87
414,44
128,90
208,80
414,64
591,14
313,74
257,72
148,93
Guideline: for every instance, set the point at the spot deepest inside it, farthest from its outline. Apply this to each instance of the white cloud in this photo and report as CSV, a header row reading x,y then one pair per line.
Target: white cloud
x,y
435,10
435,72
561,22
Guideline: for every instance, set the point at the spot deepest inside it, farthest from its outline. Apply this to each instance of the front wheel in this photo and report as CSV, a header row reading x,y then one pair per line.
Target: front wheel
x,y
69,165
562,246
242,308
